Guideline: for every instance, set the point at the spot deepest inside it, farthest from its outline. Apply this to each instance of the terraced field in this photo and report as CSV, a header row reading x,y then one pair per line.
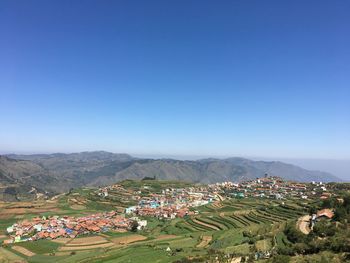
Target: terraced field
x,y
242,214
225,226
86,243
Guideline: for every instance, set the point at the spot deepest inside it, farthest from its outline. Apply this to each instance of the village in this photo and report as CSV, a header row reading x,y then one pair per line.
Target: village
x,y
167,204
179,202
272,187
57,227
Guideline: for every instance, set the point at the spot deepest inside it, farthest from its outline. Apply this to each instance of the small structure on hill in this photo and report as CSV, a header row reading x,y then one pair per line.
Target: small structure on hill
x,y
324,214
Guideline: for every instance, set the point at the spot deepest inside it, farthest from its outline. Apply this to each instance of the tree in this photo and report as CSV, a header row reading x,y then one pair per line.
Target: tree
x,y
340,214
312,210
134,226
293,234
324,228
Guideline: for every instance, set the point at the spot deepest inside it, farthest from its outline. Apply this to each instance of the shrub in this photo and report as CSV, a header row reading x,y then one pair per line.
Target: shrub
x,y
280,259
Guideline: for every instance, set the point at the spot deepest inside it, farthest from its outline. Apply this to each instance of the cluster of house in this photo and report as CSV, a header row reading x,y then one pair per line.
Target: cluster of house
x,y
66,226
176,202
163,212
127,193
272,187
171,203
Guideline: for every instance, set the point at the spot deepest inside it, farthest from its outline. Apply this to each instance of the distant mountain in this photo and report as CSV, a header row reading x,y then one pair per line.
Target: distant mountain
x,y
213,170
75,157
18,176
59,172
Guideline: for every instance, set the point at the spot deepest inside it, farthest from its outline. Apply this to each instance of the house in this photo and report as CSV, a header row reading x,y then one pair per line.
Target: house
x,y
141,224
278,196
8,241
325,213
130,209
9,229
240,195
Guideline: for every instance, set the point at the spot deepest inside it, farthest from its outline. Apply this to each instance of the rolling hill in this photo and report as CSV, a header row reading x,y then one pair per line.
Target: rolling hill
x,y
59,172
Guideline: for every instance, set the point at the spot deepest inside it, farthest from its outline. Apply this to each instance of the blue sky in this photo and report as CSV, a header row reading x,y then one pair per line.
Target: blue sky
x,y
219,78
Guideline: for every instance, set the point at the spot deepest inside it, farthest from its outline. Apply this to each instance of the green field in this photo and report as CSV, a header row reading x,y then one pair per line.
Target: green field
x,y
236,226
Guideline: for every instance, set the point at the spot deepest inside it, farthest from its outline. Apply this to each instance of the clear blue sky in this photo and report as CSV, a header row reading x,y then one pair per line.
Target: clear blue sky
x,y
248,78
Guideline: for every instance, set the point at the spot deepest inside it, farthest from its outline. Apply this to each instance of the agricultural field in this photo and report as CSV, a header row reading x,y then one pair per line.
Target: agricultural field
x,y
232,226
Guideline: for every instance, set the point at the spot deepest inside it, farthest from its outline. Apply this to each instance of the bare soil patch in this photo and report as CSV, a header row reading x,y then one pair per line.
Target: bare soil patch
x,y
236,260
23,251
61,253
13,211
8,256
72,248
2,204
88,244
205,224
162,237
23,209
205,241
62,240
216,205
128,239
303,224
87,241
78,207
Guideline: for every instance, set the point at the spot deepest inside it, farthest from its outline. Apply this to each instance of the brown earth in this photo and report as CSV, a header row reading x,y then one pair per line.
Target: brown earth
x,y
59,253
236,260
128,239
162,237
23,209
78,207
216,205
62,240
87,241
205,241
303,224
72,248
205,224
23,251
8,256
87,244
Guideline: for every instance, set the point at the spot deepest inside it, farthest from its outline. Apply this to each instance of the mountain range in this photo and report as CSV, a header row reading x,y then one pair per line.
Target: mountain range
x,y
57,173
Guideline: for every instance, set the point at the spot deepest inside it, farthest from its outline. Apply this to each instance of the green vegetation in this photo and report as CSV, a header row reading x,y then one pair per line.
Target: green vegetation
x,y
40,246
327,235
236,227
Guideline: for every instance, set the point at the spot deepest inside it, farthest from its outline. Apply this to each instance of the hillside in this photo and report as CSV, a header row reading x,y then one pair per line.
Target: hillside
x,y
18,176
60,172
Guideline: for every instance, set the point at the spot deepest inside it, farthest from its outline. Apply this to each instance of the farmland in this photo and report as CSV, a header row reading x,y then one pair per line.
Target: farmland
x,y
234,227
223,231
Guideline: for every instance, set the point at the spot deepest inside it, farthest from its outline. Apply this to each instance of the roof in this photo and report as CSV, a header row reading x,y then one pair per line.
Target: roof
x,y
325,212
